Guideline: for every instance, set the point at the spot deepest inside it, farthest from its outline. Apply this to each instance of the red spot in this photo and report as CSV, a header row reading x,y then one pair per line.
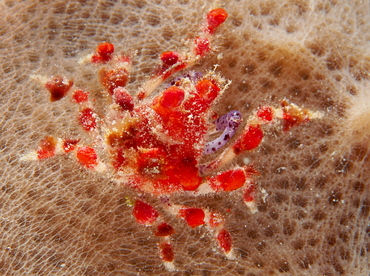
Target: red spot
x,y
114,78
141,95
185,172
144,213
190,179
249,193
170,58
80,96
265,113
119,160
202,46
87,157
150,162
166,252
207,89
104,53
47,147
69,145
124,59
87,119
215,18
193,216
123,98
216,220
105,49
293,115
164,230
229,181
58,87
250,139
292,120
96,59
171,98
214,116
224,240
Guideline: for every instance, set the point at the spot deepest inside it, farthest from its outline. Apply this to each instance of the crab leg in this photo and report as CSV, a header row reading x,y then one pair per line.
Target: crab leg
x,y
51,146
173,62
253,134
115,75
196,217
147,215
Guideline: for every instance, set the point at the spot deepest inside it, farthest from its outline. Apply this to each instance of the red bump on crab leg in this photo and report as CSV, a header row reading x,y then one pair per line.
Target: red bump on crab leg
x,y
225,242
215,18
193,216
164,230
86,117
144,213
202,46
104,53
293,115
47,147
123,98
87,156
70,144
265,113
167,254
249,196
249,193
113,78
80,96
58,87
170,58
251,138
215,220
230,180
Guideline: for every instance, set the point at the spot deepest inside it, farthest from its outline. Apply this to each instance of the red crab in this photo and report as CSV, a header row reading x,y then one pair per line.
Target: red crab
x,y
154,144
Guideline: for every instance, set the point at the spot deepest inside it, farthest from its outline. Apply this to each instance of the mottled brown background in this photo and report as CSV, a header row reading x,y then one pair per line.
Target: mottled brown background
x,y
58,219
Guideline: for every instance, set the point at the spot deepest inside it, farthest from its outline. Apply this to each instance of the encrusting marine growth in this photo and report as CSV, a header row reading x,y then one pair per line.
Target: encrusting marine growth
x,y
154,143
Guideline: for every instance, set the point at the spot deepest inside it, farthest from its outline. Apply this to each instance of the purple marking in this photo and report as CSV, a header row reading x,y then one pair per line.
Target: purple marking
x,y
193,76
229,123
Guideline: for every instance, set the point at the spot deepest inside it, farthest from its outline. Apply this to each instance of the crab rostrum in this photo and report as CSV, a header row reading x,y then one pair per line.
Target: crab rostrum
x,y
154,142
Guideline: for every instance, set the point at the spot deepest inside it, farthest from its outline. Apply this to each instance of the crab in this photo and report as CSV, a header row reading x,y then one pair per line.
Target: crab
x,y
155,143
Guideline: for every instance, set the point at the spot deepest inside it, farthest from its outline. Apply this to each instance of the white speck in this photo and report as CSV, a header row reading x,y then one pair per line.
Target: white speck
x,y
29,156
100,167
264,195
246,160
170,266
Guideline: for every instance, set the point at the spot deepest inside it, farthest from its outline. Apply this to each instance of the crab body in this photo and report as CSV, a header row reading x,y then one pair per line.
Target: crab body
x,y
155,143
163,144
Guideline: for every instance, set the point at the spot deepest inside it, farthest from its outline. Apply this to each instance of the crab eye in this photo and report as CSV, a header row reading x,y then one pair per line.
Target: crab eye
x,y
229,123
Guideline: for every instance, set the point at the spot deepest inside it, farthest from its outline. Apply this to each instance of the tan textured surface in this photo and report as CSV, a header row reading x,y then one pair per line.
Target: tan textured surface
x,y
57,219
